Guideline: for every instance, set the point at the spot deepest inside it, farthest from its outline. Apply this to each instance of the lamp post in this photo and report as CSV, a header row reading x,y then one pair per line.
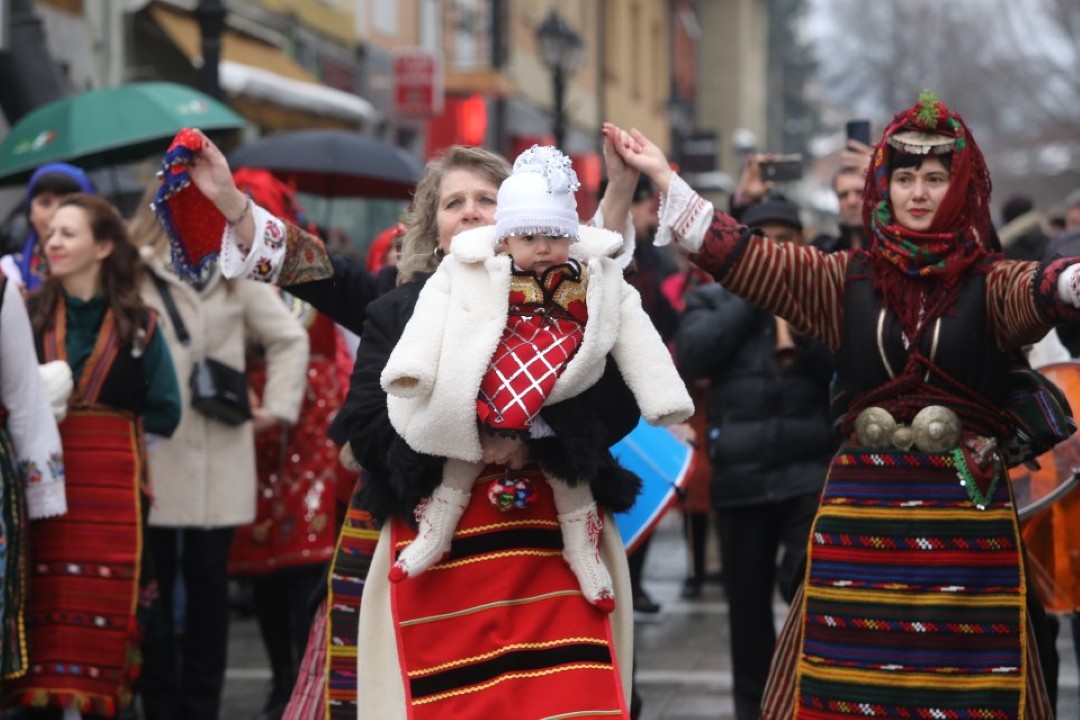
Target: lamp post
x,y
211,17
561,49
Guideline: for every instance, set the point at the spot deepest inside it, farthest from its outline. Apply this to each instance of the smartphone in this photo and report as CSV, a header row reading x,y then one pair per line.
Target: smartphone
x,y
784,169
859,130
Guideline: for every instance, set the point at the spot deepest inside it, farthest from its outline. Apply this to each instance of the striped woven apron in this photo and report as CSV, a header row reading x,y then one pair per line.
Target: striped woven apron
x,y
914,599
499,628
86,572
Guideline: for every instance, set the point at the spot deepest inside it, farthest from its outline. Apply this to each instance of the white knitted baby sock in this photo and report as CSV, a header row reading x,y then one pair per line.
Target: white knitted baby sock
x,y
581,548
438,517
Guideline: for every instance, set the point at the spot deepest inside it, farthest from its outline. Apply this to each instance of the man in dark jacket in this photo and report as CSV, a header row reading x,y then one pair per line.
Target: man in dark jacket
x,y
770,441
1022,236
848,185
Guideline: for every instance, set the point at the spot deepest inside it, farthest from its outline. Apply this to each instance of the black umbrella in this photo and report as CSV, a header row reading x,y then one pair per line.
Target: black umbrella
x,y
333,163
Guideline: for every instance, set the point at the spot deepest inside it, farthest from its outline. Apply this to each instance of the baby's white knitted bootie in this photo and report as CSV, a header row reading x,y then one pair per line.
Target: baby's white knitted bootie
x,y
438,516
581,548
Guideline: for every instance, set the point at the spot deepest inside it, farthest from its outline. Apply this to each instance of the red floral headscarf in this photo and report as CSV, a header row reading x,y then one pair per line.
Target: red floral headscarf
x,y
918,272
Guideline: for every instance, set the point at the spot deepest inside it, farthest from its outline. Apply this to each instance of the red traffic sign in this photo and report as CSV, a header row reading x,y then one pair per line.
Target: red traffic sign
x,y
418,88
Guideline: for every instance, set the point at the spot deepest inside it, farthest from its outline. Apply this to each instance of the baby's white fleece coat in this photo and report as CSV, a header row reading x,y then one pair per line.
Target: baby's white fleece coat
x,y
434,373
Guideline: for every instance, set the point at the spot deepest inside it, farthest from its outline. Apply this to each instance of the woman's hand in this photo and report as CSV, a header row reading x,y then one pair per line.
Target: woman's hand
x,y
211,175
620,174
262,420
509,451
640,153
622,181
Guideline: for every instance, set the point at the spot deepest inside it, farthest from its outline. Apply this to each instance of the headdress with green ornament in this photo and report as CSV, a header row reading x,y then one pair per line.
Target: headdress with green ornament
x,y
925,137
908,263
928,128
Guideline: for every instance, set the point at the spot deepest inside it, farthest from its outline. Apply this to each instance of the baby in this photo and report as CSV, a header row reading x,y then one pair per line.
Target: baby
x,y
521,314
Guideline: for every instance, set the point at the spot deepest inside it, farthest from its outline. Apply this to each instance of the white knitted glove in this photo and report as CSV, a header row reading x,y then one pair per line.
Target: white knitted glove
x,y
56,377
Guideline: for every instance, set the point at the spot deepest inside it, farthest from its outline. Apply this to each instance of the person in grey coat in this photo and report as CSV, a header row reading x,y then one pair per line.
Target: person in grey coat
x,y
770,441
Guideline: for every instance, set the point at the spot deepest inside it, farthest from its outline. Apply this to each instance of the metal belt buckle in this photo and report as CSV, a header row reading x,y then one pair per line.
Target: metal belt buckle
x,y
934,429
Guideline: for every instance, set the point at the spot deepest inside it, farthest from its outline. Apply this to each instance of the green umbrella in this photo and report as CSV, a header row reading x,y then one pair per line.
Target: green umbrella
x,y
108,127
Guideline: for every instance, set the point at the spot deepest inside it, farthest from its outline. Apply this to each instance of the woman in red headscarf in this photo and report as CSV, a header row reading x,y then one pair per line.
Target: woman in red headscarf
x,y
915,600
384,248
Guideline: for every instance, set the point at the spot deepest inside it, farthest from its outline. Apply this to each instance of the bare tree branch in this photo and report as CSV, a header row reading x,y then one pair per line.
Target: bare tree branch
x,y
1012,66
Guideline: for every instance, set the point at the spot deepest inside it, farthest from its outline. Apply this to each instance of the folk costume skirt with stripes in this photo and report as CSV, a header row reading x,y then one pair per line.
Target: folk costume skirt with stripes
x,y
13,541
86,571
913,605
326,684
499,628
356,546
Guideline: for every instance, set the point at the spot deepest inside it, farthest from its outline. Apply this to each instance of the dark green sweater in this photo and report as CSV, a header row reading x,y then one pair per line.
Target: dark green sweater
x,y
161,408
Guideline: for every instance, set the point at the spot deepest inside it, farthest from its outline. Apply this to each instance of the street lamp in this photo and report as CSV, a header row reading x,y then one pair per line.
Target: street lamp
x,y
211,17
561,49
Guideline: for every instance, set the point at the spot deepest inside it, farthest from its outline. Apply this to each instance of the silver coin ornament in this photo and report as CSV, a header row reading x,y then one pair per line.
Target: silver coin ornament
x,y
875,427
936,429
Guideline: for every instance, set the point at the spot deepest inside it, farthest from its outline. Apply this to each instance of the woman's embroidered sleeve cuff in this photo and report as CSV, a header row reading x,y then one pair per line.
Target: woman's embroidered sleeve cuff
x,y
725,242
684,216
1057,290
263,260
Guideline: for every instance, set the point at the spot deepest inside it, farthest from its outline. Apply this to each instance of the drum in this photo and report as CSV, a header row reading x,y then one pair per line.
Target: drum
x,y
1049,510
662,461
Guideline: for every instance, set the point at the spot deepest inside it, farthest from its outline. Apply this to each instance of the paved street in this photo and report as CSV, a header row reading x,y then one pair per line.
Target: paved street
x,y
684,670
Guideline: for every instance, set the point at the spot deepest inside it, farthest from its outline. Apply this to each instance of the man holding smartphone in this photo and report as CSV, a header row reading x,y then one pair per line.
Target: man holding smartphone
x,y
848,184
754,183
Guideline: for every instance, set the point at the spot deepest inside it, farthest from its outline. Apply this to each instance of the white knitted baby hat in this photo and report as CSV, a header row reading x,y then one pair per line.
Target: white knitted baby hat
x,y
538,197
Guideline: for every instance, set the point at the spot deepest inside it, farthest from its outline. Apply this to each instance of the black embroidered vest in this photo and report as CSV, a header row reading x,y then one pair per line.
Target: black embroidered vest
x,y
959,343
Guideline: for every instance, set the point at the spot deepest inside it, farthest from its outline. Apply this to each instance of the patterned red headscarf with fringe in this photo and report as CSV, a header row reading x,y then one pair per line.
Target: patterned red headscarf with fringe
x,y
192,223
919,273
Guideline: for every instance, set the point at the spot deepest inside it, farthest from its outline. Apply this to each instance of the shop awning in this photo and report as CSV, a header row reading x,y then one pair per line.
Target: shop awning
x,y
257,74
259,84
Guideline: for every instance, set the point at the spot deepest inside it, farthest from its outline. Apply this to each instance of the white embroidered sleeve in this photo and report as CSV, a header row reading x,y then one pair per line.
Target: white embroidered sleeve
x,y
11,270
31,425
684,215
263,260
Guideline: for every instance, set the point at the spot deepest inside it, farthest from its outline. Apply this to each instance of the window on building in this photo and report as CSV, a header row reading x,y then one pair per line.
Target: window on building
x,y
386,17
468,22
